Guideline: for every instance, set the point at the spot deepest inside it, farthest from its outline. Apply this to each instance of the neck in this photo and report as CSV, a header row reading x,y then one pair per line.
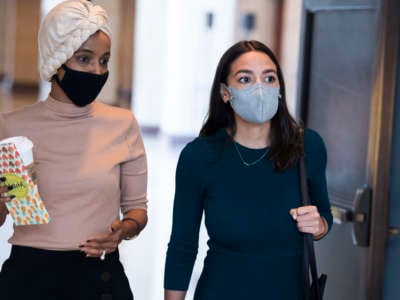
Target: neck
x,y
252,135
57,93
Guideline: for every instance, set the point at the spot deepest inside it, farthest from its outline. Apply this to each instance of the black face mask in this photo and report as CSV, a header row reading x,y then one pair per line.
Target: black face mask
x,y
81,88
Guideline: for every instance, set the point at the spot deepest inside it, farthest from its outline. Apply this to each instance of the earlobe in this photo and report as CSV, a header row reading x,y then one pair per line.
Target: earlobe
x,y
224,92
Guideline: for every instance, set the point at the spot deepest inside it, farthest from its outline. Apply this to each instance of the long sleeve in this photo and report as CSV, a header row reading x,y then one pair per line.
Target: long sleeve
x,y
134,172
316,160
3,127
187,213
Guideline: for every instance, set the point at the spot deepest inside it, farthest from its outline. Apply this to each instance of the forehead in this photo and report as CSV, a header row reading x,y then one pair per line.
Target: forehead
x,y
97,42
253,61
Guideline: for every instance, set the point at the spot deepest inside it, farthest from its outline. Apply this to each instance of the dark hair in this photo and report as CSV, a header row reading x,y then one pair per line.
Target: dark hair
x,y
285,139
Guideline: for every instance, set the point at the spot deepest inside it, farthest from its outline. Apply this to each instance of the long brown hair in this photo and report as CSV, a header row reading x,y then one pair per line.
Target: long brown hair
x,y
285,139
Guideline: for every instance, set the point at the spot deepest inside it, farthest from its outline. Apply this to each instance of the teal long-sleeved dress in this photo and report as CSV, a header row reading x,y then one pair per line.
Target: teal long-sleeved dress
x,y
255,250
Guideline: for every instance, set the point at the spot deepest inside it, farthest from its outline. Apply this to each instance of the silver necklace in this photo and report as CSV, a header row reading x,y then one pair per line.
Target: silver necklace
x,y
249,164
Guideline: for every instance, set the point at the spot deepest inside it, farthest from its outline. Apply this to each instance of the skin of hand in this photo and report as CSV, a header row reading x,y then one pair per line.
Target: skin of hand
x,y
309,220
119,230
174,295
109,242
3,199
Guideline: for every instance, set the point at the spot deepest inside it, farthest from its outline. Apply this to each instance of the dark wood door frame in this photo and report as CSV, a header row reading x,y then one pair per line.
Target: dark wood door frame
x,y
381,128
381,124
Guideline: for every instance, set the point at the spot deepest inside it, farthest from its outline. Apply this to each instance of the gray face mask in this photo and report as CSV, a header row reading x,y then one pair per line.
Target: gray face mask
x,y
257,103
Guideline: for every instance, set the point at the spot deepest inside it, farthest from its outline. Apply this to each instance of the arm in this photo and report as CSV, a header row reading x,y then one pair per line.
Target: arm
x,y
3,213
3,208
133,178
316,218
133,186
318,187
132,223
133,182
187,214
174,295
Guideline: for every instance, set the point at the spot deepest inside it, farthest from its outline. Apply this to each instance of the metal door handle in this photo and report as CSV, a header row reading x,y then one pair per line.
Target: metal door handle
x,y
394,230
343,215
359,215
362,207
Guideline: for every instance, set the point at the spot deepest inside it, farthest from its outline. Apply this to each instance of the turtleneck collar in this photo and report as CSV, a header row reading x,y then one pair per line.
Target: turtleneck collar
x,y
68,109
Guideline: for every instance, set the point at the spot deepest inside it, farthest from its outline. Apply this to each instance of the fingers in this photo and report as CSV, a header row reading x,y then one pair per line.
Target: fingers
x,y
116,225
98,250
95,246
308,219
293,213
304,213
108,242
4,191
312,228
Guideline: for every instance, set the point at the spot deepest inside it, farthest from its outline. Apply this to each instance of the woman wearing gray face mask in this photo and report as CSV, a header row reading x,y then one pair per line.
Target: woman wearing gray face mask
x,y
242,171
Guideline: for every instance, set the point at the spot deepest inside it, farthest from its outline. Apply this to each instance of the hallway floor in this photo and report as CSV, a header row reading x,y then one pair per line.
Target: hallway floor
x,y
143,257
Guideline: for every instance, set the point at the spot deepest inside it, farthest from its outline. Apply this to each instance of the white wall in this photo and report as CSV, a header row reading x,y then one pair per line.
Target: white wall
x,y
176,56
109,92
149,71
290,49
5,234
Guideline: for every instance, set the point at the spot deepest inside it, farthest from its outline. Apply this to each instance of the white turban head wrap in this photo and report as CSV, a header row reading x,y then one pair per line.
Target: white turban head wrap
x,y
63,31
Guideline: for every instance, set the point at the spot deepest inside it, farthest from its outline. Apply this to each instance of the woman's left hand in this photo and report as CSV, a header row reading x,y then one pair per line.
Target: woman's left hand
x,y
98,246
309,220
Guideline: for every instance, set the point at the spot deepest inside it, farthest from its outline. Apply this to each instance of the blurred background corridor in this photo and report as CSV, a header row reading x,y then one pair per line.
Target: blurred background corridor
x,y
341,63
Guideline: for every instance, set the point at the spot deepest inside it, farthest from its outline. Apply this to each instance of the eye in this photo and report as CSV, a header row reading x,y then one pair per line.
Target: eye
x,y
83,59
270,79
104,61
244,79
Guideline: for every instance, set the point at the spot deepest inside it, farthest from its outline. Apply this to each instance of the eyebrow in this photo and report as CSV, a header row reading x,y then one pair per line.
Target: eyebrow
x,y
249,72
90,51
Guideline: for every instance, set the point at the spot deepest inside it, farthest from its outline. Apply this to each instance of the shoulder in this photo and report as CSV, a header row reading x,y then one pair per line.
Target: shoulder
x,y
194,149
19,118
117,116
113,112
203,150
21,113
313,141
315,150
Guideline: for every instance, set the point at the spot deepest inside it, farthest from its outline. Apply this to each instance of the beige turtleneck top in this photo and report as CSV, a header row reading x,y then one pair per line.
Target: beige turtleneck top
x,y
90,165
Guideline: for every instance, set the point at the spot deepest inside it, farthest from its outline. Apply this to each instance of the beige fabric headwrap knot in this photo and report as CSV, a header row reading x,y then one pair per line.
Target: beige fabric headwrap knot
x,y
64,29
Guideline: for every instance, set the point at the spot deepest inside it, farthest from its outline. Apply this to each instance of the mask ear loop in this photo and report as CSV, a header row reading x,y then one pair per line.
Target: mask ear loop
x,y
55,76
229,91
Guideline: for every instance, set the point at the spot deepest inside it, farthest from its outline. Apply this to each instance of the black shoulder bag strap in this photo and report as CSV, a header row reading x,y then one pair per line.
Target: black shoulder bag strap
x,y
309,253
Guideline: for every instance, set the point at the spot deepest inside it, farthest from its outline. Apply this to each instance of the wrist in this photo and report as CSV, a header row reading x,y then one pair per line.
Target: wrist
x,y
3,209
324,230
131,228
3,213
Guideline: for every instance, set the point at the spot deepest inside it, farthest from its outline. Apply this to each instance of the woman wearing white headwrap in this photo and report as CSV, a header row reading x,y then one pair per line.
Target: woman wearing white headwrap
x,y
90,164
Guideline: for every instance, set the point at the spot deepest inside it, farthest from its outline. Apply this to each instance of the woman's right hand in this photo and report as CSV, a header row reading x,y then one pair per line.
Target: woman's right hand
x,y
4,197
4,191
